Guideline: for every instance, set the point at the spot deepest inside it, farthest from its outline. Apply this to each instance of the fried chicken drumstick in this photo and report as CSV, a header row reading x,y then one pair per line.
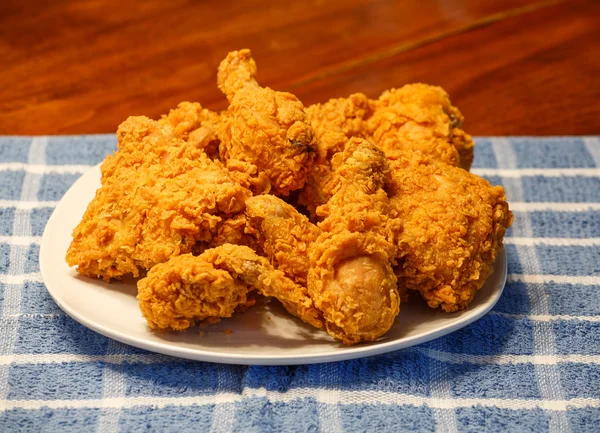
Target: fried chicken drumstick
x,y
265,135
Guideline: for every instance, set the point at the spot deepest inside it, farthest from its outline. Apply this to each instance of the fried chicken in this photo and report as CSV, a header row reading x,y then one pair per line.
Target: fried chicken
x,y
453,225
160,196
351,279
420,117
190,289
334,123
416,117
283,234
265,136
196,125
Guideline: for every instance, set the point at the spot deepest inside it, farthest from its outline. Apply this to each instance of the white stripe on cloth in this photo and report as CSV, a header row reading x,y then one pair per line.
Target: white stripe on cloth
x,y
439,386
113,387
223,415
536,317
27,204
520,206
44,169
11,304
583,280
555,242
150,358
544,341
370,397
542,172
328,398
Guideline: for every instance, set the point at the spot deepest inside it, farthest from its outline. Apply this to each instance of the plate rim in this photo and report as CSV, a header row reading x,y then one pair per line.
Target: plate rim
x,y
172,349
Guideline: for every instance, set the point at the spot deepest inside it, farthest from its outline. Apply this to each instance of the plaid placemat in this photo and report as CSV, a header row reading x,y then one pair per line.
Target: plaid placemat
x,y
532,364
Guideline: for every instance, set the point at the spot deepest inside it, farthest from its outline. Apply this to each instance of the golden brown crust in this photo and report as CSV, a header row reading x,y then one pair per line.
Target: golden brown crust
x,y
187,289
264,133
351,279
159,196
453,225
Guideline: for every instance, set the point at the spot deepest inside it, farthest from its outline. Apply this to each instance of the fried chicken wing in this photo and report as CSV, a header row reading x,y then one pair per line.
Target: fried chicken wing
x,y
351,279
265,136
453,225
159,196
189,289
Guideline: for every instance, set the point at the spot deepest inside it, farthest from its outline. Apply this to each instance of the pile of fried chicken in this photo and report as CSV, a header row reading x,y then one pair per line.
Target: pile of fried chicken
x,y
337,210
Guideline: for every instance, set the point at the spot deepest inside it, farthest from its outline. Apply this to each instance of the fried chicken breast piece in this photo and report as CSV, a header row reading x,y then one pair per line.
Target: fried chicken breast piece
x,y
351,279
189,289
420,117
283,234
159,196
453,225
265,135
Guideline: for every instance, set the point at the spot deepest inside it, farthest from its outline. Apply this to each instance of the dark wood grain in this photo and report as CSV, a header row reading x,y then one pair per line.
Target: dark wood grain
x,y
512,66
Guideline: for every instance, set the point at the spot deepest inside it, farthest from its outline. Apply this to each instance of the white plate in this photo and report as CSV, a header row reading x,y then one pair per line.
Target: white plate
x,y
266,334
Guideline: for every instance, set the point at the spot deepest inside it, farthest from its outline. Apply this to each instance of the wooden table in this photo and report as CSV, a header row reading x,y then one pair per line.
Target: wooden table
x,y
514,67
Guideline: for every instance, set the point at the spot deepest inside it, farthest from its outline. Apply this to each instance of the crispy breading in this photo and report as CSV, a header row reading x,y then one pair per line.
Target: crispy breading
x,y
188,289
453,225
351,279
159,196
265,136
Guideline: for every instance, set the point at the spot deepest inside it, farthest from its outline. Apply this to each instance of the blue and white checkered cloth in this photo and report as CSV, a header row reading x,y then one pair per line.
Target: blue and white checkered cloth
x,y
531,364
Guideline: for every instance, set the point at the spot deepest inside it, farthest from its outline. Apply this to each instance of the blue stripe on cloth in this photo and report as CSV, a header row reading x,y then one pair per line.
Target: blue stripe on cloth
x,y
35,299
386,418
577,337
49,420
6,221
177,379
548,224
580,380
572,299
494,381
54,186
584,420
491,335
4,258
403,372
57,335
38,219
555,260
11,183
258,414
542,152
484,154
493,419
168,419
66,381
514,299
32,259
561,189
79,149
14,149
